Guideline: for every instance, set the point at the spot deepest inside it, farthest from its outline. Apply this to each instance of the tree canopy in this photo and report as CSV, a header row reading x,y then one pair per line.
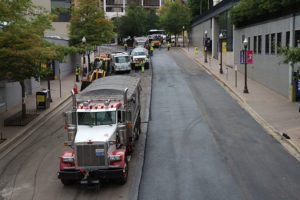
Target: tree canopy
x,y
173,16
88,20
22,45
136,22
251,11
290,55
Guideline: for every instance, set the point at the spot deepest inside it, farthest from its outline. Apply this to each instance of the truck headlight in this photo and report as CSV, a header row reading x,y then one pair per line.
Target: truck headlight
x,y
114,158
68,159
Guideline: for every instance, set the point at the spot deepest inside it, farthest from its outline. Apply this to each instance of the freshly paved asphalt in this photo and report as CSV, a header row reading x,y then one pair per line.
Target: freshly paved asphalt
x,y
202,145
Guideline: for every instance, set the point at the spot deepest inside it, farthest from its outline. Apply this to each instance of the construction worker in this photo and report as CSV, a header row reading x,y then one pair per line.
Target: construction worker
x,y
77,72
196,50
136,65
151,50
169,45
143,65
125,46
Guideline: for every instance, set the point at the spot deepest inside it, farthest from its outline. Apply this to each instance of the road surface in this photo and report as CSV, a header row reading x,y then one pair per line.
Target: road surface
x,y
202,145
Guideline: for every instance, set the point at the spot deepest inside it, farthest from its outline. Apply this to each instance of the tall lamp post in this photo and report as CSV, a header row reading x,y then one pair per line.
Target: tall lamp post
x,y
205,46
245,42
220,39
85,47
183,36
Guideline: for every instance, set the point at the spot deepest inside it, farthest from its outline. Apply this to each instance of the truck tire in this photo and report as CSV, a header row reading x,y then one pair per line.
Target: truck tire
x,y
66,182
123,179
137,128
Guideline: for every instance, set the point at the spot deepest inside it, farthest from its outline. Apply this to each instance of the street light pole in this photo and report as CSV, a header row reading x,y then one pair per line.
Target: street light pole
x,y
205,46
245,46
220,39
183,36
88,63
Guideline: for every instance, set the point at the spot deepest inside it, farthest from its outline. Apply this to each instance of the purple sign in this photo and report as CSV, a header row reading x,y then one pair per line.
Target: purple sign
x,y
298,85
242,57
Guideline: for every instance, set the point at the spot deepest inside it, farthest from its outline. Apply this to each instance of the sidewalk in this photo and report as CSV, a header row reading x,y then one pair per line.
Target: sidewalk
x,y
273,111
11,133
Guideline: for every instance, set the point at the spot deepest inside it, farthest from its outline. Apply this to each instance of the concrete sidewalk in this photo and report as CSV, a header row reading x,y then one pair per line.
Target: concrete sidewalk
x,y
273,111
11,133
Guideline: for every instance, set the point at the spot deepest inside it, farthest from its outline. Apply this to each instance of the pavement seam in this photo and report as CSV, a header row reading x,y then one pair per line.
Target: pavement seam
x,y
293,150
135,187
33,125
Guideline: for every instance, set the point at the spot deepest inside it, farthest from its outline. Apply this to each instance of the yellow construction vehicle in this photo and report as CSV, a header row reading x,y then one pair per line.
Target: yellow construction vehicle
x,y
100,69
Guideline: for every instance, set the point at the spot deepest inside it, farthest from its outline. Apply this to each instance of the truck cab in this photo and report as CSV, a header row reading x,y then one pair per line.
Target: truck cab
x,y
102,129
139,55
121,62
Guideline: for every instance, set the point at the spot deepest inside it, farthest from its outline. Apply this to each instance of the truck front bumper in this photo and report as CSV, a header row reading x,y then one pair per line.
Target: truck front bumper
x,y
76,175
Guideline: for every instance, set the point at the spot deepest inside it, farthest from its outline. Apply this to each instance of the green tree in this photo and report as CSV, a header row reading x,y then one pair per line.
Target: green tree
x,y
22,47
250,11
136,22
173,16
88,20
197,7
290,55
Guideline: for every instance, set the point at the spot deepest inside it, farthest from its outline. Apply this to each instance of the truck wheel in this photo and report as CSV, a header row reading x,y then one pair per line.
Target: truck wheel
x,y
124,177
147,65
66,182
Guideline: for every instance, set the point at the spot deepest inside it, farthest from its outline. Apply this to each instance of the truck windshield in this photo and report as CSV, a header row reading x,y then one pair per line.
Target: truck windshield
x,y
139,53
122,59
96,118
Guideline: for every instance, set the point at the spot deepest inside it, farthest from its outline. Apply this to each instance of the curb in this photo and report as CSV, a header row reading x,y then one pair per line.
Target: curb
x,y
269,128
33,125
135,186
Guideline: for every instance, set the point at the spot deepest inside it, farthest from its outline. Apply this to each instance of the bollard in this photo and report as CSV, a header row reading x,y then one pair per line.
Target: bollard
x,y
226,73
235,70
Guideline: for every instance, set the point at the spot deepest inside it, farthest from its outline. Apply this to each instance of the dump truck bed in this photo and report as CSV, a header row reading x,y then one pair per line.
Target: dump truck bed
x,y
111,86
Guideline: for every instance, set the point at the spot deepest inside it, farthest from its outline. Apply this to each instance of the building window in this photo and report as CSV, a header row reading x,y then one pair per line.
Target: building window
x,y
272,43
278,42
254,44
267,44
249,43
287,39
297,38
259,44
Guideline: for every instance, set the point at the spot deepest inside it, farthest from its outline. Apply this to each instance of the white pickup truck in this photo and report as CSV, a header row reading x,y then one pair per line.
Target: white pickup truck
x,y
138,55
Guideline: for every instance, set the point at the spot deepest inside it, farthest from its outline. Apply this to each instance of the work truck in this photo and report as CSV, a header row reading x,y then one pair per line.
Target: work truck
x,y
102,128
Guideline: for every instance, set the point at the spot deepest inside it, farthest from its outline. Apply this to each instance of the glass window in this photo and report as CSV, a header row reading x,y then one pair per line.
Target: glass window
x,y
226,28
272,43
278,42
141,53
297,38
255,44
259,44
287,39
122,59
267,44
249,43
96,118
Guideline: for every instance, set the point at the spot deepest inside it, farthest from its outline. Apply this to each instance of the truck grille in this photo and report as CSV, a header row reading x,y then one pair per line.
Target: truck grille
x,y
86,155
